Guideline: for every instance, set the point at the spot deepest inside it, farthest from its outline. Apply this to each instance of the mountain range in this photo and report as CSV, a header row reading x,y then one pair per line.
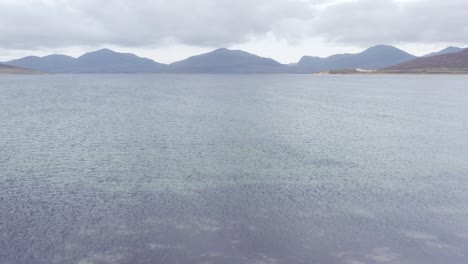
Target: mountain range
x,y
101,61
373,58
220,61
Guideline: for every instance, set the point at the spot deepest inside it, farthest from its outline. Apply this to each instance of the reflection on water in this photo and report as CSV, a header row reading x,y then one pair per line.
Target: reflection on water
x,y
233,169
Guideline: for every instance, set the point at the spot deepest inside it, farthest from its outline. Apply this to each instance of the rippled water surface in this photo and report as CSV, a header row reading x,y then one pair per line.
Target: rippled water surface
x,y
233,169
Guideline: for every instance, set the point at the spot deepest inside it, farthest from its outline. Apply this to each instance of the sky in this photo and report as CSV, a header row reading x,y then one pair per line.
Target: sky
x,y
285,30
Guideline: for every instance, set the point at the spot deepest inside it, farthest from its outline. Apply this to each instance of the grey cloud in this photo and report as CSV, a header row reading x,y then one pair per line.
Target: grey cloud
x,y
387,21
56,23
31,24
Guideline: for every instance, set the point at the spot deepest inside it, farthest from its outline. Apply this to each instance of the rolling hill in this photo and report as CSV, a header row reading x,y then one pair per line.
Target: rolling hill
x,y
447,50
452,62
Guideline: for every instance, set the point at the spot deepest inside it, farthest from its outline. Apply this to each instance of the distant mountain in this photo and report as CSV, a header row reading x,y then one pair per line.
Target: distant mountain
x,y
453,62
227,61
108,61
52,64
447,50
373,58
8,69
101,61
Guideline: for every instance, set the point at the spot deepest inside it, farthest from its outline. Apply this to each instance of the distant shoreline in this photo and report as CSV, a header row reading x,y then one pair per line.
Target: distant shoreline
x,y
10,69
20,71
388,72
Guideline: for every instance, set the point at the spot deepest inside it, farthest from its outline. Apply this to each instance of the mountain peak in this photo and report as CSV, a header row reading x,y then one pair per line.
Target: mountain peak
x,y
382,48
229,52
105,50
57,56
221,50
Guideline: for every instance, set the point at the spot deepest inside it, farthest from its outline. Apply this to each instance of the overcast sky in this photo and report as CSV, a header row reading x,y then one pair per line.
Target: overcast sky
x,y
170,30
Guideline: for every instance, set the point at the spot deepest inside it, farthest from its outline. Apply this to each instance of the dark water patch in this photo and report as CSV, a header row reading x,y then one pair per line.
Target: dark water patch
x,y
248,224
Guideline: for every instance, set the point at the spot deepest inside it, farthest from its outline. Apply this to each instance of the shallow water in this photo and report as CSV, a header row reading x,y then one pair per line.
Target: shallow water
x,y
233,169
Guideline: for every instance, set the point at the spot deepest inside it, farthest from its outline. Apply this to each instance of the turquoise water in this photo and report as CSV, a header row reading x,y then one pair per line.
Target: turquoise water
x,y
233,169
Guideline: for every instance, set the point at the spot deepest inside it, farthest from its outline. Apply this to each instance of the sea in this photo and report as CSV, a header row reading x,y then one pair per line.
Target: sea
x,y
340,169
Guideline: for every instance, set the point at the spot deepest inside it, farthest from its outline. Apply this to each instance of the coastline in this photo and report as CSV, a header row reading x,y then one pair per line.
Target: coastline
x,y
388,72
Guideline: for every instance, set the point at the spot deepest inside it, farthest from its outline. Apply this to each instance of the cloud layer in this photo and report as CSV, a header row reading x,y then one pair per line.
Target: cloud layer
x,y
35,23
390,21
32,24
